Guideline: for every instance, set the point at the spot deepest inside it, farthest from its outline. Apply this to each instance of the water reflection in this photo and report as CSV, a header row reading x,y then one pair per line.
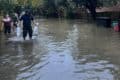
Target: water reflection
x,y
65,50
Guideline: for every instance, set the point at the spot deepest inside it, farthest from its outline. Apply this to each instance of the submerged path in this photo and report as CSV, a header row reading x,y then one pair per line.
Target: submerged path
x,y
64,50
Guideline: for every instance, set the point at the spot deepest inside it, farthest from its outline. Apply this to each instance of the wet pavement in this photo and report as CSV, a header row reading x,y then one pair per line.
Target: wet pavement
x,y
64,50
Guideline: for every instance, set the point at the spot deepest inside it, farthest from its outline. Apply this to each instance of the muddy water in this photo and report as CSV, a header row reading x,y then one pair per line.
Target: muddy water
x,y
64,50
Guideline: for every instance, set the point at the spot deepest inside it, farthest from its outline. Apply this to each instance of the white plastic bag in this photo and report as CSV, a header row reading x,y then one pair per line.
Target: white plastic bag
x,y
35,31
18,31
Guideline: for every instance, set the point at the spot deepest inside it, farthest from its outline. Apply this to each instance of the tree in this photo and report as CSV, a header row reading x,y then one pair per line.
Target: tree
x,y
89,4
109,2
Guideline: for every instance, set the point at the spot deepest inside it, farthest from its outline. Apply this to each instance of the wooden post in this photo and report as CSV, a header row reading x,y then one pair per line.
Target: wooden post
x,y
1,24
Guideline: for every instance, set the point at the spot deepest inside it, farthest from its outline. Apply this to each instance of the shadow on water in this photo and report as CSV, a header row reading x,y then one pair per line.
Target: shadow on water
x,y
65,50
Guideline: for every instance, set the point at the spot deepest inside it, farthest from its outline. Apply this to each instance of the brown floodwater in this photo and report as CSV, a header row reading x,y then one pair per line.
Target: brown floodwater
x,y
63,50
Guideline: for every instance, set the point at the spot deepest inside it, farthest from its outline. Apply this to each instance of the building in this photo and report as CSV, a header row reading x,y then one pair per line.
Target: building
x,y
112,12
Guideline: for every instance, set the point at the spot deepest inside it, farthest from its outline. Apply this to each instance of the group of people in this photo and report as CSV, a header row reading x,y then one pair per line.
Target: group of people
x,y
11,23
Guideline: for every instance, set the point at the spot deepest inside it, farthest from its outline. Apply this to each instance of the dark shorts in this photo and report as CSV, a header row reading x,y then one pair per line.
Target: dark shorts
x,y
14,24
27,30
7,29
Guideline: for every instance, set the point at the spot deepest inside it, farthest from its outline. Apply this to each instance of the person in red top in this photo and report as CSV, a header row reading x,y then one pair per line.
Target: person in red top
x,y
7,24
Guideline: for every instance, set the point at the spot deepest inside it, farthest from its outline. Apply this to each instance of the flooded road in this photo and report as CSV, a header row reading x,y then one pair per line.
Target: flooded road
x,y
64,50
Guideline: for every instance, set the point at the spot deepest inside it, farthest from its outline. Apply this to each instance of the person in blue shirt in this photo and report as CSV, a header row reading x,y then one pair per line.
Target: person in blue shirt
x,y
27,19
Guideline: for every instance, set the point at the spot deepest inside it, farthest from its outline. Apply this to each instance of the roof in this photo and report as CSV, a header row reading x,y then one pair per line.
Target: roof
x,y
108,9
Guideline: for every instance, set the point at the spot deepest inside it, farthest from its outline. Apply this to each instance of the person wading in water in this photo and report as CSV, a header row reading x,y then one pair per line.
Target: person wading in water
x,y
7,24
27,19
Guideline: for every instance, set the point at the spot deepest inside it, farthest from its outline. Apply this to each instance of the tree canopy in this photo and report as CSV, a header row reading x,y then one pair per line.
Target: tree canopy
x,y
52,6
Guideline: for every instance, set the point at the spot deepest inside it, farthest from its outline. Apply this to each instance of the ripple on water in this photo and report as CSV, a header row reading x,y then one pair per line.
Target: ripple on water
x,y
64,53
97,70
